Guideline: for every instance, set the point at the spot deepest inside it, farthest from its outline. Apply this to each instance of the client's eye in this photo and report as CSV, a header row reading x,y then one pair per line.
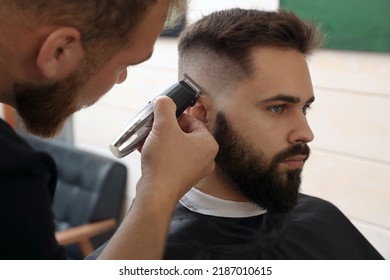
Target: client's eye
x,y
277,109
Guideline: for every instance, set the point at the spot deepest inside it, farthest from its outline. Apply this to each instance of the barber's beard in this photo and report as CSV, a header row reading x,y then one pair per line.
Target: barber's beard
x,y
44,108
258,179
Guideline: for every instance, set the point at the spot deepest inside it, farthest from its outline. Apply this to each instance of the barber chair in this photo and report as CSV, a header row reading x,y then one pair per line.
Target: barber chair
x,y
89,196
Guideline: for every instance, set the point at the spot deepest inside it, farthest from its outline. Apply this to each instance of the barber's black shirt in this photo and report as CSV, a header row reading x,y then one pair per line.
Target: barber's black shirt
x,y
27,184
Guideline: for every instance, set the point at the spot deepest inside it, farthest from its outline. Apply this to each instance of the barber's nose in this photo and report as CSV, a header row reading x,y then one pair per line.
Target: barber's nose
x,y
122,76
301,131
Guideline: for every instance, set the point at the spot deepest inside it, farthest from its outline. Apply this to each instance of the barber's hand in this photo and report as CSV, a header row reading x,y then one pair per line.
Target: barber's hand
x,y
176,154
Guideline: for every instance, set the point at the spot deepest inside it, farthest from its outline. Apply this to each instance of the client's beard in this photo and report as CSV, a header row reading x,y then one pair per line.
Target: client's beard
x,y
252,175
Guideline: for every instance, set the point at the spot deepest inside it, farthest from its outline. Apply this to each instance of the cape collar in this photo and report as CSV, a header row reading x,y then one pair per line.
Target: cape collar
x,y
199,202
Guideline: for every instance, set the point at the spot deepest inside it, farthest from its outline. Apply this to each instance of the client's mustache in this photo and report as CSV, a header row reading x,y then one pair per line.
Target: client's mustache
x,y
297,149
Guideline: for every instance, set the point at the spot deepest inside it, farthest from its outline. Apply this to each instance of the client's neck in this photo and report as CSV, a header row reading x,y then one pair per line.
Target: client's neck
x,y
219,187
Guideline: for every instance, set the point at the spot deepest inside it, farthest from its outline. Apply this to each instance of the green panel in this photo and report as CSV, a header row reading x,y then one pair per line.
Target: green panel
x,y
349,24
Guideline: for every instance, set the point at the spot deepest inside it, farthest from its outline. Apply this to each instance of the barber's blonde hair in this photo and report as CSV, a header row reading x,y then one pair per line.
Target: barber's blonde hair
x,y
101,22
177,10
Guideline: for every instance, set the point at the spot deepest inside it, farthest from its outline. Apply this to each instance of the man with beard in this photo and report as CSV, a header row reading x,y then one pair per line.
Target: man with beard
x,y
252,68
57,57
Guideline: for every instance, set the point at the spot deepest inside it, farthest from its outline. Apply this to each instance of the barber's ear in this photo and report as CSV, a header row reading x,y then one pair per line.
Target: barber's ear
x,y
203,109
60,54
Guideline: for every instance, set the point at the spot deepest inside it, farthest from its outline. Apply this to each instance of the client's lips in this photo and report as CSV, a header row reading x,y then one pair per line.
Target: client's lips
x,y
295,162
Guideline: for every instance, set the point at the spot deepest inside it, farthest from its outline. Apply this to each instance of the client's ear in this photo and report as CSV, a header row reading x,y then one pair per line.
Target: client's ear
x,y
203,109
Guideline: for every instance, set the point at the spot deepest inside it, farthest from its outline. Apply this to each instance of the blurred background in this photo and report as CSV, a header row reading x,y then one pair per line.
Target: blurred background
x,y
350,162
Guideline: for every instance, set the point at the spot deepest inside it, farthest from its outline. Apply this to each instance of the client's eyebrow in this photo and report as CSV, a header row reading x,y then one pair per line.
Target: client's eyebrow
x,y
287,98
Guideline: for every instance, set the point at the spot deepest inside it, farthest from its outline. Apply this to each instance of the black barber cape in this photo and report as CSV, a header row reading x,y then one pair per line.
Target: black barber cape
x,y
27,183
314,229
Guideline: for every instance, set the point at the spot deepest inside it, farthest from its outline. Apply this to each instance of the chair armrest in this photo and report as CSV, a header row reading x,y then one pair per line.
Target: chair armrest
x,y
84,232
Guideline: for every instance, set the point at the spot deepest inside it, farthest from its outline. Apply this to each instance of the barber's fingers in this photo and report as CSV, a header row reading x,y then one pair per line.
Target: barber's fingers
x,y
186,130
164,110
164,113
202,140
190,124
165,120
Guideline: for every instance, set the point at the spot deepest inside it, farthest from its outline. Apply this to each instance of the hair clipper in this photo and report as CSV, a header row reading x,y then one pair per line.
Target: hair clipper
x,y
185,93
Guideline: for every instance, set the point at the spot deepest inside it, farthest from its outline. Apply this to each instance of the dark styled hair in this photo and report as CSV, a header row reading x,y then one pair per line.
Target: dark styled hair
x,y
230,35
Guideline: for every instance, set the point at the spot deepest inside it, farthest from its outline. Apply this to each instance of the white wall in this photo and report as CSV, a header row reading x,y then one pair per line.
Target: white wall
x,y
350,163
